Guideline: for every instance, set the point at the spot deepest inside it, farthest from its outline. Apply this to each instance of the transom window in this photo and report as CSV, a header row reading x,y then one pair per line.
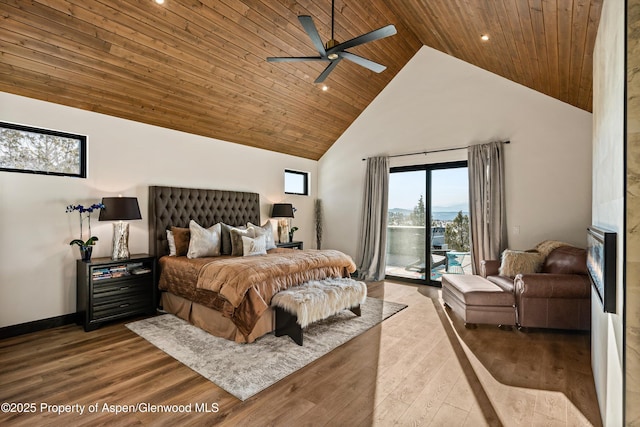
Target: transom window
x,y
296,182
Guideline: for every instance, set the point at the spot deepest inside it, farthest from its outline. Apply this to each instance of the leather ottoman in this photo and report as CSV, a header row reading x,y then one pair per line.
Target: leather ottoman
x,y
477,300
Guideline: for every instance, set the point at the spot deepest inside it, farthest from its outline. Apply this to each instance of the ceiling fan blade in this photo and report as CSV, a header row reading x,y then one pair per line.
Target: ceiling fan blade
x,y
310,28
327,70
295,58
378,34
366,63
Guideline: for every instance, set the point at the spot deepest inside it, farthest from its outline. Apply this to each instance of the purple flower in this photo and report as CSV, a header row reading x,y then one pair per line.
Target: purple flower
x,y
82,210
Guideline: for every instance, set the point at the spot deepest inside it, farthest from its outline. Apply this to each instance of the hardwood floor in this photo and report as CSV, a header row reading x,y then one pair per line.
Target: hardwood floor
x,y
420,367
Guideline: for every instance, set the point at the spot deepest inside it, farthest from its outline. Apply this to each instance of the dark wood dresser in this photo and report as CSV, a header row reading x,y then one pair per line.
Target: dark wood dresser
x,y
112,289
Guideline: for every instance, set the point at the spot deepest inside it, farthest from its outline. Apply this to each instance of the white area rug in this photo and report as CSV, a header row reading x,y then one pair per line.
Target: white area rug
x,y
246,369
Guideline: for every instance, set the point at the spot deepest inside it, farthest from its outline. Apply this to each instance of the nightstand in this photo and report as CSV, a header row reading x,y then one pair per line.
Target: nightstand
x,y
292,245
112,289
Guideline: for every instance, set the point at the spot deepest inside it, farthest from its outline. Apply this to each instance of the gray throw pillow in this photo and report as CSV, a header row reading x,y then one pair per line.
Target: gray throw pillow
x,y
225,232
267,230
225,238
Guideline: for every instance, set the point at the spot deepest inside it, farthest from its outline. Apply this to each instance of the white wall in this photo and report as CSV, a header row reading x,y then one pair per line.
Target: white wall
x,y
437,101
37,266
608,202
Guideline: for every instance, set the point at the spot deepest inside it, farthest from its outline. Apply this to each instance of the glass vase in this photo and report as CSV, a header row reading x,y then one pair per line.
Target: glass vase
x,y
85,252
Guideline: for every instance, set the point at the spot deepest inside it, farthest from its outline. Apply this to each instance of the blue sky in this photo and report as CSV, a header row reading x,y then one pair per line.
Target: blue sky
x,y
450,189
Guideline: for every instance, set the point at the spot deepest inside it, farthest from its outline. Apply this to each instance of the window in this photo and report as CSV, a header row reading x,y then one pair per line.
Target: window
x,y
296,182
32,150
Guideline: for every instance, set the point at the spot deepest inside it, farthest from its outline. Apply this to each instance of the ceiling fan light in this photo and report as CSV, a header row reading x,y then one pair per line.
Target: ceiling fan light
x,y
334,52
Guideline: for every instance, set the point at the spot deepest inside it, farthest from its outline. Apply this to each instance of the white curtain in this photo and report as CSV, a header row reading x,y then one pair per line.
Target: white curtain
x,y
373,226
486,203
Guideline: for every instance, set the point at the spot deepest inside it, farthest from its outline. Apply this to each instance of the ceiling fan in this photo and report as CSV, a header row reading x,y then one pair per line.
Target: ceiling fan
x,y
334,52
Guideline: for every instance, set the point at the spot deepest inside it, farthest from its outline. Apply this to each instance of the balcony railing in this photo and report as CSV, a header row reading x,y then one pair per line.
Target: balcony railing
x,y
406,254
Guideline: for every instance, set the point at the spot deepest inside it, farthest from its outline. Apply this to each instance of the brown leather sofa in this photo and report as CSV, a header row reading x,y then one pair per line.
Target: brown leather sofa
x,y
558,297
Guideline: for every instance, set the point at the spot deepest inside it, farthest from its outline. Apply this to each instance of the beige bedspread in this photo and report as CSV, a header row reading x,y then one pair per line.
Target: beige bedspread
x,y
246,284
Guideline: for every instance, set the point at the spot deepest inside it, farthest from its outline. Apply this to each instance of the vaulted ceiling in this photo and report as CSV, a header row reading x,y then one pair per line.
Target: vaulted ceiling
x,y
200,66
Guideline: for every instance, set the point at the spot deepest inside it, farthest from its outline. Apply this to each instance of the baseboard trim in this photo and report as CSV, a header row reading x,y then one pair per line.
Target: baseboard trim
x,y
37,325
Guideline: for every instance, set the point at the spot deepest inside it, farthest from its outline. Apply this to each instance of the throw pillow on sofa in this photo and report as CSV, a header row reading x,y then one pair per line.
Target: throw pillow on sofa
x,y
520,262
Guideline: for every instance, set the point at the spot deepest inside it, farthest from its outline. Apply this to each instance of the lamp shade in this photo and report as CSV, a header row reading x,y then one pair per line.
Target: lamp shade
x,y
119,209
282,210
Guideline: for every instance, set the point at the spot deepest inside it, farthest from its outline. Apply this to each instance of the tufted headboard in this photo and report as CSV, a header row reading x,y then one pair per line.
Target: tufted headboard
x,y
173,206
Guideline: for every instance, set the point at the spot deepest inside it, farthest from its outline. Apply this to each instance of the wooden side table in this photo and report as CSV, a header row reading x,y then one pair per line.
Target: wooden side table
x,y
292,245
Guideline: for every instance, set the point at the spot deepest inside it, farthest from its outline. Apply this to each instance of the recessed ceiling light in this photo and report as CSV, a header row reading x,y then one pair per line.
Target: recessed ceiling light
x,y
325,88
484,37
159,1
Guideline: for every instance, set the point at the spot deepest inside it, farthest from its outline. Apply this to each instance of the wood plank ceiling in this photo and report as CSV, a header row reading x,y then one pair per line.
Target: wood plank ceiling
x,y
199,66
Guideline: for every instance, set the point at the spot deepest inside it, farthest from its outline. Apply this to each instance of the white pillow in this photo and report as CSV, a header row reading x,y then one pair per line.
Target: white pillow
x,y
204,241
267,231
172,243
255,246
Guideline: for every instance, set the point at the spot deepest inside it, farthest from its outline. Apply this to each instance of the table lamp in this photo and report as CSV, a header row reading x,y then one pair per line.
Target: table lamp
x,y
284,211
120,209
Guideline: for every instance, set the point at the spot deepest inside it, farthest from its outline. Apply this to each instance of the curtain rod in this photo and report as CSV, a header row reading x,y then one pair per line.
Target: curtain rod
x,y
434,151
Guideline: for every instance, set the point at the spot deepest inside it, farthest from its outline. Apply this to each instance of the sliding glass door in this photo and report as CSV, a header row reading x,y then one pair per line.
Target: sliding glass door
x,y
406,231
428,225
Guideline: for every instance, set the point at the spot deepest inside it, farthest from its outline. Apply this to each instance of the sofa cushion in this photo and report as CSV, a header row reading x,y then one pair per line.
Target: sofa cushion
x,y
566,260
551,286
506,283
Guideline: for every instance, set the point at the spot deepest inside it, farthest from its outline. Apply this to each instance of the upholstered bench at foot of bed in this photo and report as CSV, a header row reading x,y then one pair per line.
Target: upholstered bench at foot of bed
x,y
477,300
300,306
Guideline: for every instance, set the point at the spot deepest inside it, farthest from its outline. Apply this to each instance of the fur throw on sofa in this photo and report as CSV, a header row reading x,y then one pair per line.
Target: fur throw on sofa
x,y
545,247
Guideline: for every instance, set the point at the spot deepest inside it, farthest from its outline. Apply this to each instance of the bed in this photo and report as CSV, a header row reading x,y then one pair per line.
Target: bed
x,y
228,296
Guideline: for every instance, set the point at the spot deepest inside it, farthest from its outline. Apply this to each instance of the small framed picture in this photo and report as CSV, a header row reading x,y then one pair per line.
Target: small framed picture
x,y
41,151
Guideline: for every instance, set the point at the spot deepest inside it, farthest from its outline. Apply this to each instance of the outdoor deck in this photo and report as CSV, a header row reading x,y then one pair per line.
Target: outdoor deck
x,y
410,267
